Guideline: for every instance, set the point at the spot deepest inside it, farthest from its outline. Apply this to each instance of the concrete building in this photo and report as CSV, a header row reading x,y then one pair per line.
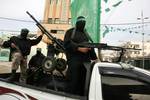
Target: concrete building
x,y
57,17
130,53
138,45
56,20
138,55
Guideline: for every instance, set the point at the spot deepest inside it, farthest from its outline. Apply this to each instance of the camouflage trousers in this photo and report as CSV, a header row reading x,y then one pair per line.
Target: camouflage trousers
x,y
19,60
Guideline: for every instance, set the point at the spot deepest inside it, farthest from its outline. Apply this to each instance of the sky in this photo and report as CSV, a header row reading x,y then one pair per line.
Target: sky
x,y
16,9
126,12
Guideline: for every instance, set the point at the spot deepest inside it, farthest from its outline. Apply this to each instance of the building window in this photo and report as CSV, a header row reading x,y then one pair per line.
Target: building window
x,y
52,1
60,31
57,31
136,46
69,21
56,1
53,31
136,52
57,21
50,20
131,46
63,22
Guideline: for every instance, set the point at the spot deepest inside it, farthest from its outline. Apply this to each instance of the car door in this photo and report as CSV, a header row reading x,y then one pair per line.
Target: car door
x,y
124,84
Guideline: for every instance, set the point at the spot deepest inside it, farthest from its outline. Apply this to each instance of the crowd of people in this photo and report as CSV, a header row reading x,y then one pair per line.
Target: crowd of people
x,y
77,57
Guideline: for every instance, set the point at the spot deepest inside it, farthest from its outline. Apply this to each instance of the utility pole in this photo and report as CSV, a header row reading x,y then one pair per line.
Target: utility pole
x,y
142,18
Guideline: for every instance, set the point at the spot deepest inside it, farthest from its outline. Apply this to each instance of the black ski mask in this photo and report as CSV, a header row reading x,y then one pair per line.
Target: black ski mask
x,y
24,33
80,23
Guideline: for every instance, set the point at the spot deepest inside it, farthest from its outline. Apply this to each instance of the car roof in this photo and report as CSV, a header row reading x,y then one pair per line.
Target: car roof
x,y
114,65
122,66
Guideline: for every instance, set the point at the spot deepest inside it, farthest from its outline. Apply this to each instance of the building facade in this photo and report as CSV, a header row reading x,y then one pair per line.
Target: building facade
x,y
138,45
57,17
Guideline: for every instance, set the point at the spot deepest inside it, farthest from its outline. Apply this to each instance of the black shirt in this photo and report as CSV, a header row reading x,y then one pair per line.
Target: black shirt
x,y
24,45
71,46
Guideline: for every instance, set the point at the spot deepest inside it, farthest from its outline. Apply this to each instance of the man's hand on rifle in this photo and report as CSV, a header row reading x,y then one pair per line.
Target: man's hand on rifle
x,y
41,33
13,45
83,50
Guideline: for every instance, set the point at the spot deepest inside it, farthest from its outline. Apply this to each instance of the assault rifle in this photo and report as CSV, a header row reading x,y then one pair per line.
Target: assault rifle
x,y
58,43
104,46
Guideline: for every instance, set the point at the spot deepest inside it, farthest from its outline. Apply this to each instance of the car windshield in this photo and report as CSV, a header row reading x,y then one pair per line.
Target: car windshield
x,y
123,84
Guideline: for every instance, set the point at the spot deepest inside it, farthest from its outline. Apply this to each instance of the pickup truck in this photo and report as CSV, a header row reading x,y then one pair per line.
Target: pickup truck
x,y
104,81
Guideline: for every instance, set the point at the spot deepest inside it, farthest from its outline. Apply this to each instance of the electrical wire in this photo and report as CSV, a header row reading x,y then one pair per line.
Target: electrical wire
x,y
12,19
5,18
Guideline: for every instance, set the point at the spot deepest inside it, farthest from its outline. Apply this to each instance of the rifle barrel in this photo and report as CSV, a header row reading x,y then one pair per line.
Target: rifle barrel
x,y
44,31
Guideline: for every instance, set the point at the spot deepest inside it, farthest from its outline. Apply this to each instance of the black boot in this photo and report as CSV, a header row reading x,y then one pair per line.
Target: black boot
x,y
12,77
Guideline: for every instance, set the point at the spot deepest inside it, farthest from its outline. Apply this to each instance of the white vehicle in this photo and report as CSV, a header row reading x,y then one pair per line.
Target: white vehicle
x,y
104,81
108,81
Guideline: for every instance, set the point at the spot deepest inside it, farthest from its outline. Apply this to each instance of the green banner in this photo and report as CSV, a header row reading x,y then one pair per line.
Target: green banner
x,y
90,9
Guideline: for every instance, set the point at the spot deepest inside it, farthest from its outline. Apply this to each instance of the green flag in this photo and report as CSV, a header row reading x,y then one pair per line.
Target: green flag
x,y
90,9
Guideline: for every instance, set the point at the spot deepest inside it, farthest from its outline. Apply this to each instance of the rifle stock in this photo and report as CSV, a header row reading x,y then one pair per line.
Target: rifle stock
x,y
44,31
